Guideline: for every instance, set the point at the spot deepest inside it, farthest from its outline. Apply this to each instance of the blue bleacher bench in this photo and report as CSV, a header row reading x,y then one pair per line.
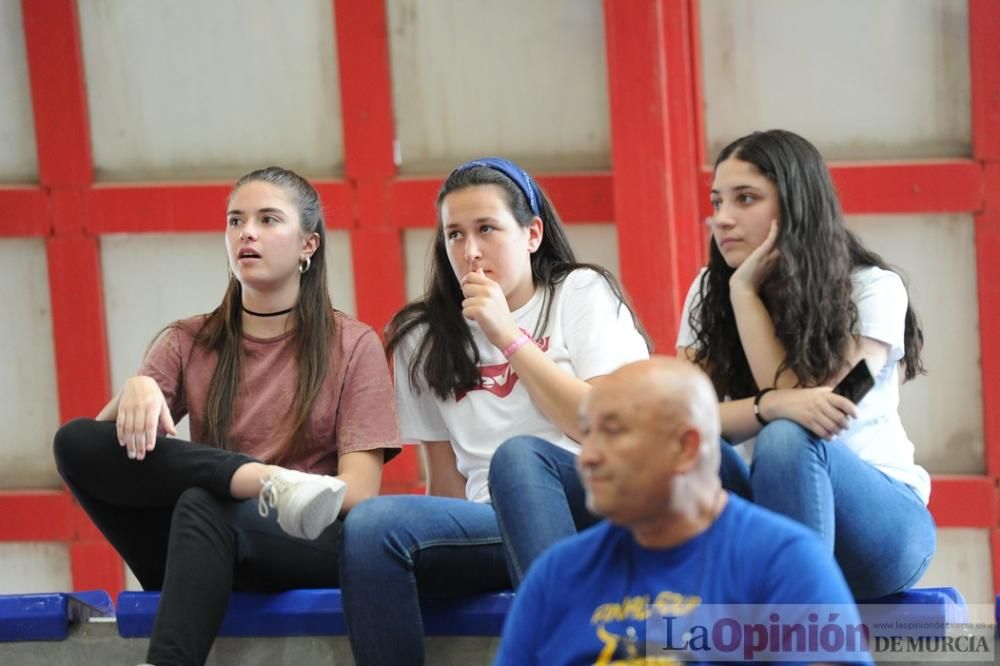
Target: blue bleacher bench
x,y
921,608
46,617
320,612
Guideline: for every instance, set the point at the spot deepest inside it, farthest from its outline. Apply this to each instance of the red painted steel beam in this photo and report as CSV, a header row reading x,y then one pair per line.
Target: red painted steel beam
x,y
579,198
366,108
23,212
62,131
55,72
369,132
964,501
956,501
96,566
20,512
651,90
941,186
177,208
938,186
987,235
984,71
78,325
63,520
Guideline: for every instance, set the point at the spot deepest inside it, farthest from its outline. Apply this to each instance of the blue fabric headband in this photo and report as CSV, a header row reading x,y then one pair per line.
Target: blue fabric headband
x,y
520,177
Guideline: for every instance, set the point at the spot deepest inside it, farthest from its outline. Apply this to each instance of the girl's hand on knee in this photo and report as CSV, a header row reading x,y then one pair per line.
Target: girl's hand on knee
x,y
758,265
486,304
141,409
819,410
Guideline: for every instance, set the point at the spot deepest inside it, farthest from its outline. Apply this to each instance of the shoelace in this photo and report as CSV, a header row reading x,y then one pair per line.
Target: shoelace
x,y
268,497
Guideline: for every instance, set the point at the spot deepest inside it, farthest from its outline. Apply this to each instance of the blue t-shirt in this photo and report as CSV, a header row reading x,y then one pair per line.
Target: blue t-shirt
x,y
585,600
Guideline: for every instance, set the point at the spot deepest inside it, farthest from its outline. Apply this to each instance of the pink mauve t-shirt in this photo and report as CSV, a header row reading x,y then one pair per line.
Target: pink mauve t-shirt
x,y
354,411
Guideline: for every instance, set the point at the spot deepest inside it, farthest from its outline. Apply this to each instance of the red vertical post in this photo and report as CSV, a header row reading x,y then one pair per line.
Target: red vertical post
x,y
59,102
376,246
366,107
984,68
654,135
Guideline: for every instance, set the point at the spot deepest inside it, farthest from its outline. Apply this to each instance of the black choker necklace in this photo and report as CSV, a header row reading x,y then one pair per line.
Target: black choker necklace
x,y
266,314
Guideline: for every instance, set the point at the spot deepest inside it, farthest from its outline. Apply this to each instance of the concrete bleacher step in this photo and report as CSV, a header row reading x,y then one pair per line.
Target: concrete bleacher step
x,y
48,616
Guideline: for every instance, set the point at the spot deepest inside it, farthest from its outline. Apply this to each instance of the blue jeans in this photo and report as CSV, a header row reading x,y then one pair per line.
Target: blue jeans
x,y
878,529
396,547
538,497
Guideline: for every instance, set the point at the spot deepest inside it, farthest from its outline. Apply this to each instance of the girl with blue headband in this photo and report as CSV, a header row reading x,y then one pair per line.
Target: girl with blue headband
x,y
498,351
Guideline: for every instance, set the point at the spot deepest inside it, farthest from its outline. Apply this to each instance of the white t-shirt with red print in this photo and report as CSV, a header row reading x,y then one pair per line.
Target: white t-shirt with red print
x,y
589,333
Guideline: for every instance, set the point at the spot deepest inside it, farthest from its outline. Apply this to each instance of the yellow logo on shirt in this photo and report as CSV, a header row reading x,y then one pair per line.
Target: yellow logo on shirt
x,y
624,649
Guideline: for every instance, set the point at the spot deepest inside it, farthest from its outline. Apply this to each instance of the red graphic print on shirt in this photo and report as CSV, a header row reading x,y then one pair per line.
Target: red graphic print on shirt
x,y
500,379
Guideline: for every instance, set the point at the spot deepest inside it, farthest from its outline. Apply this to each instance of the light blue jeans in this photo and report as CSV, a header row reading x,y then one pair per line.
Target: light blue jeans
x,y
396,549
538,497
878,529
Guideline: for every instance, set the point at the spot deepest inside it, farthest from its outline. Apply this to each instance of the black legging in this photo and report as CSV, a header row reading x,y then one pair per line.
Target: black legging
x,y
172,519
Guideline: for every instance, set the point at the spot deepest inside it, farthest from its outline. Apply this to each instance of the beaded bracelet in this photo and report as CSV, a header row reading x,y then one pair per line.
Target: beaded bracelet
x,y
756,406
518,342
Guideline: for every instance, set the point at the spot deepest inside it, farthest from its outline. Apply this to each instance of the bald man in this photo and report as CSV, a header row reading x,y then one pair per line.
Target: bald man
x,y
674,538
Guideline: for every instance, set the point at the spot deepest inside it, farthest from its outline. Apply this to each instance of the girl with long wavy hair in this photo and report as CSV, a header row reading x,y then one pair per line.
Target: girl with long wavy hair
x,y
500,348
273,376
789,303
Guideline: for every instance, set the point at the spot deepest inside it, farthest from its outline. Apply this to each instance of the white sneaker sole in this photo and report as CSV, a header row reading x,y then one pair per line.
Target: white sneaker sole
x,y
319,512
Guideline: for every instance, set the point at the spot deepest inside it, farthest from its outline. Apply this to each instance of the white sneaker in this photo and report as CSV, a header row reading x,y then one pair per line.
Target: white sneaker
x,y
307,503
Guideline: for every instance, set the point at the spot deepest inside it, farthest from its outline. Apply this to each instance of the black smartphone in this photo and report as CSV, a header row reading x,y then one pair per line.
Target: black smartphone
x,y
856,383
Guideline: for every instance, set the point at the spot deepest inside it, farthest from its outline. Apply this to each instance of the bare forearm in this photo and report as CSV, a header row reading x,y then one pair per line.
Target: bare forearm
x,y
362,472
359,488
738,420
441,466
554,392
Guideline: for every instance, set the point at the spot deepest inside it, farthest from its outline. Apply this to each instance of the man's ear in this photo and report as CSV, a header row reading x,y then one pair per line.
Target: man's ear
x,y
536,231
689,451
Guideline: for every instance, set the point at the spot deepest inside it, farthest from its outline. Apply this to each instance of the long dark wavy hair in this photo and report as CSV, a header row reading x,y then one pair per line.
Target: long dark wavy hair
x,y
808,294
446,359
313,321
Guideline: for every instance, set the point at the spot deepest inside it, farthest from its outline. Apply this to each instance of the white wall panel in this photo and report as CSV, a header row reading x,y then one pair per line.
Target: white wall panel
x,y
523,79
188,89
861,79
18,158
417,254
962,561
593,243
151,280
942,411
34,567
29,403
340,271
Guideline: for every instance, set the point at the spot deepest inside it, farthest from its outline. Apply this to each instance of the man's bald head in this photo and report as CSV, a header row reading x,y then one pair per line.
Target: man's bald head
x,y
666,393
651,429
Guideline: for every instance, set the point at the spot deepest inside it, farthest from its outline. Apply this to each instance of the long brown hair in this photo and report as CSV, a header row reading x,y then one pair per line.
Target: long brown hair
x,y
446,359
809,295
314,324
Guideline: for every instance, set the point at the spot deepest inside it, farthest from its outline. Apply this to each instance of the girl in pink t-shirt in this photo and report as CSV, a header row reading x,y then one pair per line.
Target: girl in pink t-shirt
x,y
272,376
